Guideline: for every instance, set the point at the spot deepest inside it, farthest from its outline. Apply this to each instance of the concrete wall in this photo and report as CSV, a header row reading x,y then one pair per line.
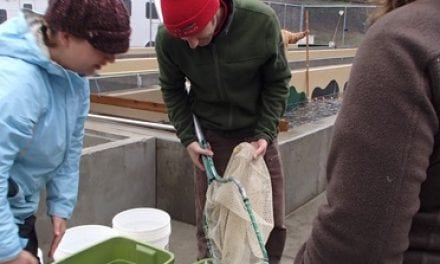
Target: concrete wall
x,y
175,180
303,151
117,172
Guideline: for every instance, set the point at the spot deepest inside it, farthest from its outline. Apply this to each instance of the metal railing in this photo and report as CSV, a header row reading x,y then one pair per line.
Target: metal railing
x,y
344,25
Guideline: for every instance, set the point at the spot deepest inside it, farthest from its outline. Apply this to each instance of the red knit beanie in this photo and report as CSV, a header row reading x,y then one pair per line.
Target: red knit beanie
x,y
104,23
184,18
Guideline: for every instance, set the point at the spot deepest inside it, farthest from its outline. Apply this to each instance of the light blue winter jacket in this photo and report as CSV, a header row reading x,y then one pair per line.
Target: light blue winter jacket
x,y
43,108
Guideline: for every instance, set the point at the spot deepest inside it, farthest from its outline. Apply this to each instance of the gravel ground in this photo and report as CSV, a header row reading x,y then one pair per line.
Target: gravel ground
x,y
312,111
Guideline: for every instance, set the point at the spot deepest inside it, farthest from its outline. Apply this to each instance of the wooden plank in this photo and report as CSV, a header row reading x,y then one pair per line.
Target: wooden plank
x,y
306,18
128,103
140,65
149,106
124,112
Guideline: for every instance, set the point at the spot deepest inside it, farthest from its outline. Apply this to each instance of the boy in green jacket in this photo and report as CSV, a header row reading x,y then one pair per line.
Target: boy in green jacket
x,y
231,51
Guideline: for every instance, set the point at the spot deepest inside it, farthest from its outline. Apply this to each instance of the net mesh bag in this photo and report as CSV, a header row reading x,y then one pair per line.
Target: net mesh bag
x,y
229,227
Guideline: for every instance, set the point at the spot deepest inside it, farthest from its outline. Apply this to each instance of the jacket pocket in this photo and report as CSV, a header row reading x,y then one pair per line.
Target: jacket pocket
x,y
12,188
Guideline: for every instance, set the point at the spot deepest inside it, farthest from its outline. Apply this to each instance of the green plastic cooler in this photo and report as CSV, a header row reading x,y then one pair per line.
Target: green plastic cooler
x,y
205,261
119,250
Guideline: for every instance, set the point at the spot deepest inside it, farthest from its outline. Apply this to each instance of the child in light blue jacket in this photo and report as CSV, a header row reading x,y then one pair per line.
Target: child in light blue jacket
x,y
44,101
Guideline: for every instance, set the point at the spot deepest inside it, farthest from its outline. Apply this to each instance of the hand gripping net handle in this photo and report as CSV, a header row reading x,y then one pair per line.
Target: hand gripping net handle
x,y
212,175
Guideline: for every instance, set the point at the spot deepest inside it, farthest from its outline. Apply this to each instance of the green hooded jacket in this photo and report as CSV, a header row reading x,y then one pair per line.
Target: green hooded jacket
x,y
239,82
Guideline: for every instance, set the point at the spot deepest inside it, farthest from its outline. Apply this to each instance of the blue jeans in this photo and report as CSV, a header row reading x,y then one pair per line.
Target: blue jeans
x,y
27,229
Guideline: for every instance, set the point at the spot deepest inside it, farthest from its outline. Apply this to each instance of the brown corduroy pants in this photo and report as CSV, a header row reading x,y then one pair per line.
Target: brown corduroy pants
x,y
222,148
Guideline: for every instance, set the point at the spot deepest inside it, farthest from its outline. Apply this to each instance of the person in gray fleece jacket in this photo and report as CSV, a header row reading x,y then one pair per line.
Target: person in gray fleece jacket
x,y
384,164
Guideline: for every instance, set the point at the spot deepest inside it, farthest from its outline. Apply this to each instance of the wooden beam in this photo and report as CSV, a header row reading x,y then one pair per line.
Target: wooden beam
x,y
307,30
128,103
150,106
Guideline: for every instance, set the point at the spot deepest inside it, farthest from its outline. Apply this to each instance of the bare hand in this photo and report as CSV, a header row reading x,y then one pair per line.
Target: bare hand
x,y
194,151
23,258
260,146
58,228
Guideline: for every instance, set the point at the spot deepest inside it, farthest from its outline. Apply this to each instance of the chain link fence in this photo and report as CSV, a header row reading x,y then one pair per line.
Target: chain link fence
x,y
344,25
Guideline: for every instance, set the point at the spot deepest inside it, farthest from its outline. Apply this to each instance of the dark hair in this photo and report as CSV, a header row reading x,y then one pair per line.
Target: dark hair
x,y
48,36
386,6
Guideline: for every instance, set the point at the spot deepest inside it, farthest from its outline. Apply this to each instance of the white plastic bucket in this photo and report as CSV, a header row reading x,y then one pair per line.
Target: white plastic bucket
x,y
148,225
80,237
40,255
